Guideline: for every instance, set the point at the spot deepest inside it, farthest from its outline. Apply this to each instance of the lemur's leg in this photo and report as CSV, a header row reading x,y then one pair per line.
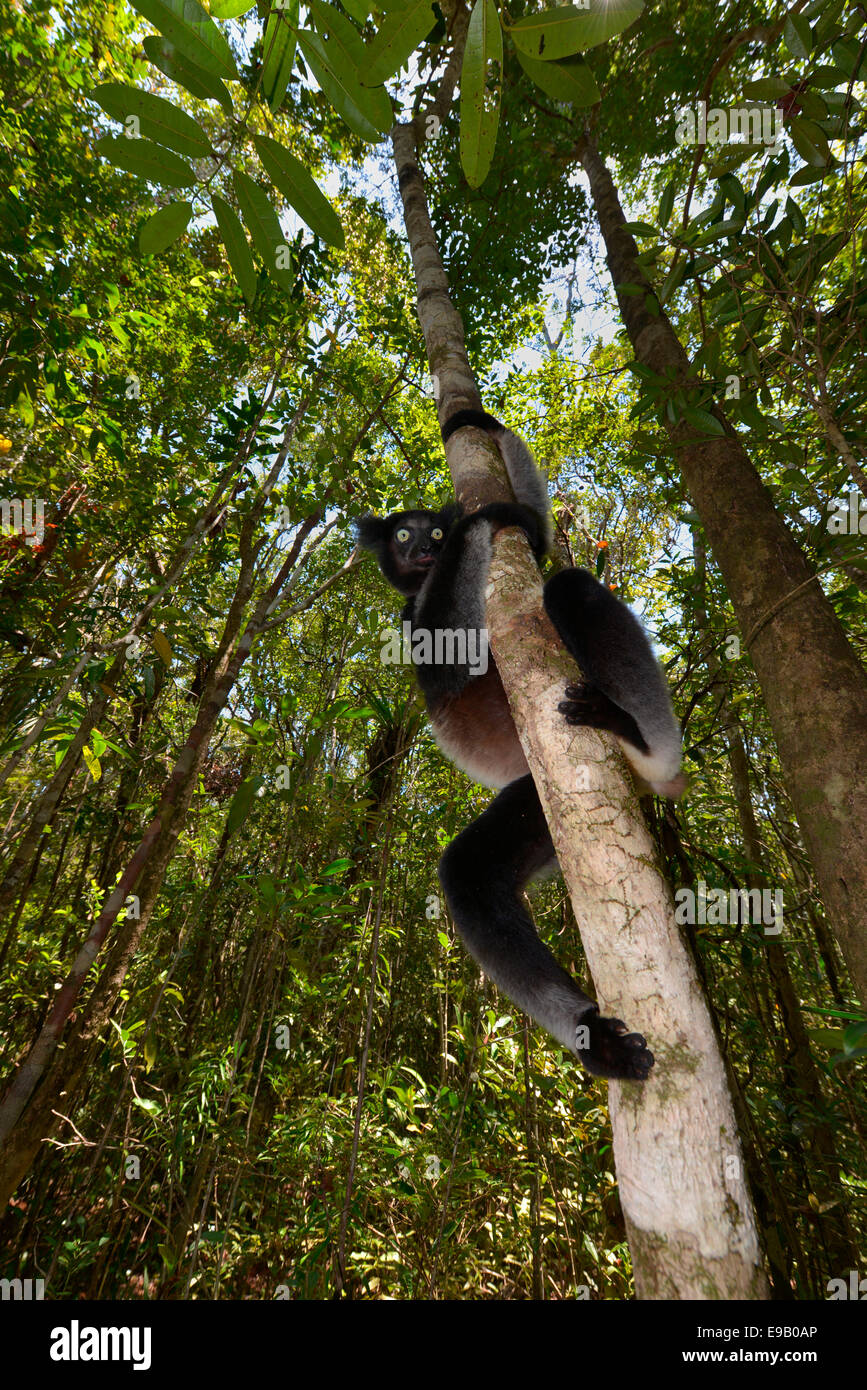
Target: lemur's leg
x,y
482,874
625,691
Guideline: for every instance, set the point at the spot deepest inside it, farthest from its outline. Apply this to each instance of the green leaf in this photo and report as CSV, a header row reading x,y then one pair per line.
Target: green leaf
x,y
154,118
237,250
164,227
733,192
809,140
241,803
345,41
361,108
336,866
808,173
640,228
767,89
558,33
201,84
150,1107
570,80
290,177
278,47
666,204
267,889
147,160
230,9
703,420
480,91
672,281
827,76
263,224
727,227
407,22
798,36
191,29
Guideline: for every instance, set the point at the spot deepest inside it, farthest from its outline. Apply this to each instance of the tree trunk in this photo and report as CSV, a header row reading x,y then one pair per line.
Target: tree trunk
x,y
799,1069
681,1173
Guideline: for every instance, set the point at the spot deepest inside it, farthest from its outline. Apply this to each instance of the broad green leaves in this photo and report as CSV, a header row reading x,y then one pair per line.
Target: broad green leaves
x,y
336,64
289,176
480,91
147,159
407,22
193,51
798,36
241,803
152,117
559,33
279,53
569,80
164,227
237,249
191,29
264,227
195,80
230,9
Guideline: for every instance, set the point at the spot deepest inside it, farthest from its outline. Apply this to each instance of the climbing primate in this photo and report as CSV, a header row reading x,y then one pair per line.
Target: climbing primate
x,y
439,561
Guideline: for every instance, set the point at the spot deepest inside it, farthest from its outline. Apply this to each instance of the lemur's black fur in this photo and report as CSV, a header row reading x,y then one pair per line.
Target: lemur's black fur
x,y
439,561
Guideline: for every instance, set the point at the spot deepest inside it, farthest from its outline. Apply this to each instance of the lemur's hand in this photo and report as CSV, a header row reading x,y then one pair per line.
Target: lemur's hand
x,y
504,514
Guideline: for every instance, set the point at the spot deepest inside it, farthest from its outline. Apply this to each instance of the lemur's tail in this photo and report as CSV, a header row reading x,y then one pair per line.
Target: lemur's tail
x,y
528,483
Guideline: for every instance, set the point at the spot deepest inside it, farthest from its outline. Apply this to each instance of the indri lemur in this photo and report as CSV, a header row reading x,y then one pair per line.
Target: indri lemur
x,y
439,560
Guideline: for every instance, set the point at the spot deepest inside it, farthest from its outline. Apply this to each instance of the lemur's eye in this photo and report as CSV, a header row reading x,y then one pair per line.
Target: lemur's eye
x,y
402,535
436,533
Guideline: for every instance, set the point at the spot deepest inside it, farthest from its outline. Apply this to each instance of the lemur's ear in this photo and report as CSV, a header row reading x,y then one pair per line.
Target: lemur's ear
x,y
372,531
450,514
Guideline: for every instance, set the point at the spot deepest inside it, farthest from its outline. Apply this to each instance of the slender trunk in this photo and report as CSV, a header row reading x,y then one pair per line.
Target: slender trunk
x,y
683,1191
802,1077
21,860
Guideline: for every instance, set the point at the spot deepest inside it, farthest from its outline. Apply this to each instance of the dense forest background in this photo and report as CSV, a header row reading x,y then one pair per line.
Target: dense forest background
x,y
268,1068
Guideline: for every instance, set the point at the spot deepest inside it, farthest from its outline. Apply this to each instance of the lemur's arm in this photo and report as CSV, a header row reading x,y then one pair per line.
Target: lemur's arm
x,y
452,598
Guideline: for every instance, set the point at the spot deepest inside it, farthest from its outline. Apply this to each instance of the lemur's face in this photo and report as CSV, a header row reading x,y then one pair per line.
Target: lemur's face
x,y
415,541
408,544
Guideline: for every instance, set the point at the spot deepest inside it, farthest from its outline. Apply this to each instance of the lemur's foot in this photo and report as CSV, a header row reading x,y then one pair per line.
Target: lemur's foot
x,y
611,1050
586,705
